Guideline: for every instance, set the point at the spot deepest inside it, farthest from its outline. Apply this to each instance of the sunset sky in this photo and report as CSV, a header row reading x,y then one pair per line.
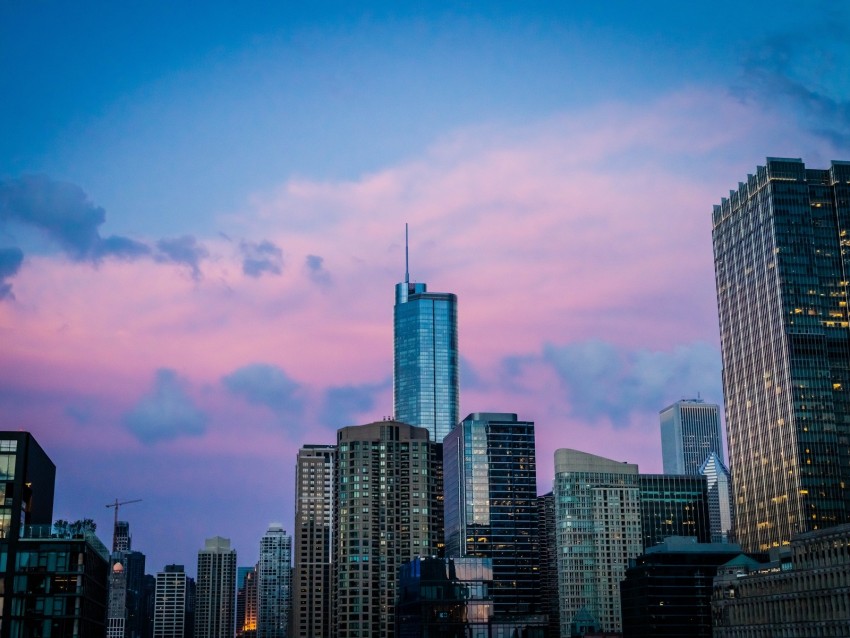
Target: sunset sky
x,y
202,214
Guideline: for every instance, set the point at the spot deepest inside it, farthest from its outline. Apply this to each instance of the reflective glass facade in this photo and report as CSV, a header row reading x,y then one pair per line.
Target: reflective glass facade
x,y
491,504
274,583
425,362
673,505
598,530
720,513
782,268
690,431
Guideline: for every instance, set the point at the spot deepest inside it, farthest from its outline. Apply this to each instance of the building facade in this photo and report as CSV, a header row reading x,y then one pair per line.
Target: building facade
x,y
690,431
314,541
387,511
116,612
425,359
274,583
548,562
720,512
781,268
673,505
808,597
170,599
490,476
598,530
216,590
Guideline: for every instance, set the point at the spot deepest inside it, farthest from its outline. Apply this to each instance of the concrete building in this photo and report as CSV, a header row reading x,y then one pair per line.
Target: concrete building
x,y
387,511
781,265
171,603
216,590
314,541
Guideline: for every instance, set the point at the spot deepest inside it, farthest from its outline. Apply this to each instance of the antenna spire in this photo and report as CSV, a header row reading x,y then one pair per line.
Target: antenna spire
x,y
406,258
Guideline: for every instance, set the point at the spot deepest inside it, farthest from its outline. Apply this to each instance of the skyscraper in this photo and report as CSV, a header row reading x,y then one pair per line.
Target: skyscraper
x,y
425,361
169,616
490,477
274,583
313,557
387,511
690,431
673,505
598,530
782,267
719,484
216,589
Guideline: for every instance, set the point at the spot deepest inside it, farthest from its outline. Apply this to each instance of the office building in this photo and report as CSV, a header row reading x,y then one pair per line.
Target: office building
x,y
598,530
807,595
173,604
781,267
215,590
445,597
27,477
490,476
249,621
690,431
673,505
274,583
313,541
241,576
116,613
548,562
720,512
425,361
667,590
387,511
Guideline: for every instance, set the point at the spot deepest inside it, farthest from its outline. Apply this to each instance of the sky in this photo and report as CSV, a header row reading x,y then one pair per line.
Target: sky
x,y
202,212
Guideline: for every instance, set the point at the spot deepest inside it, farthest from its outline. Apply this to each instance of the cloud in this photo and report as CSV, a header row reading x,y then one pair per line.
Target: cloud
x,y
262,257
167,412
796,72
10,263
267,385
183,250
315,266
344,405
604,382
63,212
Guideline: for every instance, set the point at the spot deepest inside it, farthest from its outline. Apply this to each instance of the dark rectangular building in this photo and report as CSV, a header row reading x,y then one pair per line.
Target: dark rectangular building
x,y
673,505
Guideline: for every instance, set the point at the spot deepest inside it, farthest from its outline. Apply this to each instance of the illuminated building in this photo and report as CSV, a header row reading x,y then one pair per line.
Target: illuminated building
x,y
313,557
782,267
387,511
274,583
690,431
425,358
215,590
673,505
490,477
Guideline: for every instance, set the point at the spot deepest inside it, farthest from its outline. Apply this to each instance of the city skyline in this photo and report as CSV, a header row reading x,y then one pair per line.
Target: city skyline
x,y
201,221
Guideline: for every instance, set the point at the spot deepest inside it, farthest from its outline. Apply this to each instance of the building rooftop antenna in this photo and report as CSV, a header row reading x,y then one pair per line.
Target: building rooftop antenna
x,y
406,258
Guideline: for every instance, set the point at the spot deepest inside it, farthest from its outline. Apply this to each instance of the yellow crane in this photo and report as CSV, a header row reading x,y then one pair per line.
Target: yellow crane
x,y
116,505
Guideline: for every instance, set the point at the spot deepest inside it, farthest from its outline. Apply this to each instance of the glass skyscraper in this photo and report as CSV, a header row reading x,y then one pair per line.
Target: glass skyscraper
x,y
782,268
490,478
425,358
690,431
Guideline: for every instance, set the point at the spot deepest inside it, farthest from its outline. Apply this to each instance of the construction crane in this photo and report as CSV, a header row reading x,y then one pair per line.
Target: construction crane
x,y
116,505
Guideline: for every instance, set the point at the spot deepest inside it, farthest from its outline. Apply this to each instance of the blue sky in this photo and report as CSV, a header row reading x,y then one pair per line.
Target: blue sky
x,y
202,211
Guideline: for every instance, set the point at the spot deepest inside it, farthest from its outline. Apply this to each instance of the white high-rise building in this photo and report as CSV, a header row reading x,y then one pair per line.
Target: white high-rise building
x,y
216,590
169,612
720,511
690,431
598,529
274,583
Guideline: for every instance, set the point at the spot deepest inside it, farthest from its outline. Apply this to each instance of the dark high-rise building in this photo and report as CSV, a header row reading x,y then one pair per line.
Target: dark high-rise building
x,y
274,583
673,505
123,540
782,268
490,476
215,593
27,477
548,561
425,361
690,431
667,591
241,576
387,511
313,540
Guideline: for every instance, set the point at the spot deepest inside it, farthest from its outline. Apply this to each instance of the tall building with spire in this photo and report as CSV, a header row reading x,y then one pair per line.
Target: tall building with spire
x,y
782,267
425,357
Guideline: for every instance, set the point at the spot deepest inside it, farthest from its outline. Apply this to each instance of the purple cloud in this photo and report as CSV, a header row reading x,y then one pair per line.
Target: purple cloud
x,y
260,258
167,412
